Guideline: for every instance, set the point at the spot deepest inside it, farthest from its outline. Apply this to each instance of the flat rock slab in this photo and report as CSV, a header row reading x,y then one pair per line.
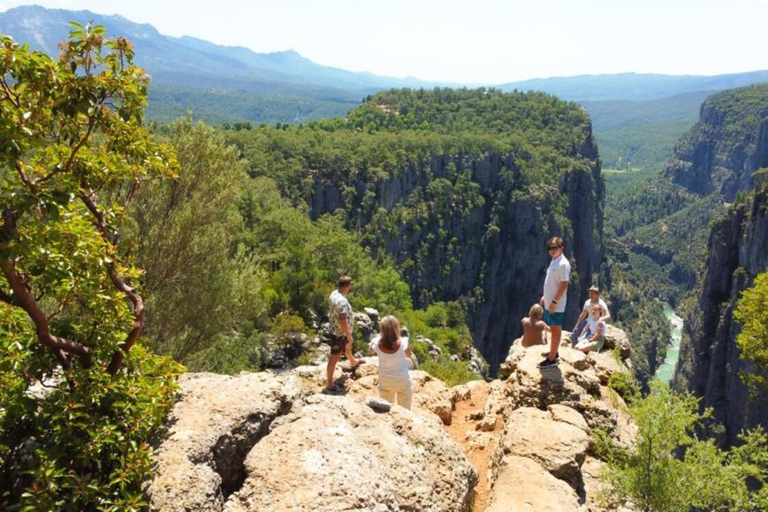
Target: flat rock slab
x,y
529,385
524,486
558,447
336,454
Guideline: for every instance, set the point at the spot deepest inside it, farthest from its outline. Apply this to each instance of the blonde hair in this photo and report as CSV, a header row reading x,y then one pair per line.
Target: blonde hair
x,y
596,306
536,312
389,328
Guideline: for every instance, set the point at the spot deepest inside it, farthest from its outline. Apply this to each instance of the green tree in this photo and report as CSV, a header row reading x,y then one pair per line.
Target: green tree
x,y
185,234
752,313
656,478
73,152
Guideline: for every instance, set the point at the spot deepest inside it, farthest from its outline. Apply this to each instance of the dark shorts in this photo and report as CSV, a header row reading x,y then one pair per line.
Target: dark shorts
x,y
337,344
553,318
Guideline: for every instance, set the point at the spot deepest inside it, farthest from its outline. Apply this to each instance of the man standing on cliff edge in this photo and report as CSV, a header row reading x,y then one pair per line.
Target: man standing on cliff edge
x,y
555,297
340,313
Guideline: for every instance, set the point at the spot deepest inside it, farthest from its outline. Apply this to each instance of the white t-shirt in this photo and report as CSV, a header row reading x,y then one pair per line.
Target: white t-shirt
x,y
392,366
588,304
559,270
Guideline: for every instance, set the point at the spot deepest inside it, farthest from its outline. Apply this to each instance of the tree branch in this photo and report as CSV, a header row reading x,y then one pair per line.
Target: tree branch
x,y
119,284
4,297
24,178
26,301
13,98
80,144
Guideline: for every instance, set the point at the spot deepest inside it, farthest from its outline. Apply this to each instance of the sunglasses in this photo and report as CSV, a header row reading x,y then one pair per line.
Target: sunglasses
x,y
553,248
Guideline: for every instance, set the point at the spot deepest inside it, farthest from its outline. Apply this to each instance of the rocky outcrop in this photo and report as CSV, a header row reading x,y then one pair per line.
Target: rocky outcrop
x,y
267,441
726,146
261,442
710,361
543,458
337,454
493,250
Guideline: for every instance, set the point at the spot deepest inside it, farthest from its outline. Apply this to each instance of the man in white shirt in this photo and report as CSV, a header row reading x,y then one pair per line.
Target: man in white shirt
x,y
593,300
555,296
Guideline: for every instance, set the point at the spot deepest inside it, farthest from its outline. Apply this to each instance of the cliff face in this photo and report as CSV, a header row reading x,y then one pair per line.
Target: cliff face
x,y
472,228
726,146
710,361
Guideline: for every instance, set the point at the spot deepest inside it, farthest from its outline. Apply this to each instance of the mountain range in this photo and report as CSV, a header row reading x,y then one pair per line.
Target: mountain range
x,y
637,117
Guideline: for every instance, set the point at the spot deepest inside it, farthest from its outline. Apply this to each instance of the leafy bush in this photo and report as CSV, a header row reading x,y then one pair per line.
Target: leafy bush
x,y
670,469
752,313
624,384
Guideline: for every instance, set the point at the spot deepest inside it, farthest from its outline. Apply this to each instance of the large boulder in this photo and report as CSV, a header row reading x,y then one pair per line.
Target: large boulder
x,y
559,447
615,338
529,385
433,395
262,441
214,425
337,454
522,485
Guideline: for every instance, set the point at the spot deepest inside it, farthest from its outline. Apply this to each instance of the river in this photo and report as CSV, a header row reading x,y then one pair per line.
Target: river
x,y
667,369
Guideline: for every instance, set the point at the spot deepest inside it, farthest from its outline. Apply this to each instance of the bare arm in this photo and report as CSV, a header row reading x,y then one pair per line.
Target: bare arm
x,y
345,328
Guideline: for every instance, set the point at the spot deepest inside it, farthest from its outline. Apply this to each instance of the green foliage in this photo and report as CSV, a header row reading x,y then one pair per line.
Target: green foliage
x,y
72,153
184,233
752,314
214,106
655,479
625,385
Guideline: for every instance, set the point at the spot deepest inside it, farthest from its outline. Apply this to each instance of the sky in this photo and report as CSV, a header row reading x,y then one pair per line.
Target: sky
x,y
472,41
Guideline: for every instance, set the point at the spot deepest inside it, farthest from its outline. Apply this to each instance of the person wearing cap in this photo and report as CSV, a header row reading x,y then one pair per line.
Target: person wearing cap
x,y
593,300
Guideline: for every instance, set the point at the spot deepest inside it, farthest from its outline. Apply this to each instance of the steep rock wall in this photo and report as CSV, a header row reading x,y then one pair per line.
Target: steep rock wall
x,y
726,146
710,361
483,241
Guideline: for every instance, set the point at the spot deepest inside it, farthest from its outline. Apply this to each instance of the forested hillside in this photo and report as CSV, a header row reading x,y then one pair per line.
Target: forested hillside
x,y
460,187
662,224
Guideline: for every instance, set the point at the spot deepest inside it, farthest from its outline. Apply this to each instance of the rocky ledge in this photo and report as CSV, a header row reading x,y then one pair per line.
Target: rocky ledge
x,y
271,441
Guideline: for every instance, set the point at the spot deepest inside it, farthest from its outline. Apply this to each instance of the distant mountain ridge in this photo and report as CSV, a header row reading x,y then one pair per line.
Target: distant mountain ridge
x,y
234,84
185,60
634,86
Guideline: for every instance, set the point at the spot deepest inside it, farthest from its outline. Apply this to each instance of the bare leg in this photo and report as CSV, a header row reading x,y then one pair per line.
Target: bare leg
x,y
348,352
555,343
331,368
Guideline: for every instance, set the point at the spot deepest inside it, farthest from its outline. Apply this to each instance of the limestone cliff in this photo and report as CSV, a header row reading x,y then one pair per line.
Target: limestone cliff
x,y
710,362
488,251
272,441
726,146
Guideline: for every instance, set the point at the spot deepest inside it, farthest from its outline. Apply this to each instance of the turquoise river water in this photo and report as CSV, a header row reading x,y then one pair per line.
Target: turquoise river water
x,y
667,369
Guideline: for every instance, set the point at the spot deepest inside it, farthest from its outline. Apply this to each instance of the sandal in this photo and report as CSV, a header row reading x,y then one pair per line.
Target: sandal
x,y
335,389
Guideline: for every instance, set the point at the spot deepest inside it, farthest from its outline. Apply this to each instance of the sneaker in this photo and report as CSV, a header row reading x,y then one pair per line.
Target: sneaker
x,y
546,363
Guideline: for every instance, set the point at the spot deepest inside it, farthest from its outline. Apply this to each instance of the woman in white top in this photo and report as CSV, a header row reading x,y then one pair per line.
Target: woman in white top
x,y
393,352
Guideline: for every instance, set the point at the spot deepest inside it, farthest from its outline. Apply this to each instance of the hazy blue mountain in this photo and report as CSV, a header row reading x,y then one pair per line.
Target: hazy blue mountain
x,y
634,86
188,61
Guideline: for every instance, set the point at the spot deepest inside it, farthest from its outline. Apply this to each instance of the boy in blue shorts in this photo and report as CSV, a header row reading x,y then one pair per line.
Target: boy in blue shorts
x,y
555,295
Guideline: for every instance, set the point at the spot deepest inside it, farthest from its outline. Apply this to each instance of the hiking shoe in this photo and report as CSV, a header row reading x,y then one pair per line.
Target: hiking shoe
x,y
546,363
